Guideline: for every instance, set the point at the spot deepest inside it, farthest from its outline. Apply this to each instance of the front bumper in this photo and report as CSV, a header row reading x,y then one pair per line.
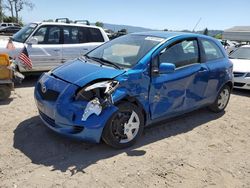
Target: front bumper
x,y
242,82
62,114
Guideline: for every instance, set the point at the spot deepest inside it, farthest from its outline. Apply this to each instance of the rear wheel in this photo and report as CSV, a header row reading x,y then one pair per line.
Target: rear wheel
x,y
124,127
5,92
222,100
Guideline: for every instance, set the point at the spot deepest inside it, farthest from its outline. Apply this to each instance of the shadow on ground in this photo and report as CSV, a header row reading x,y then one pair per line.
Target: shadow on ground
x,y
29,81
44,147
241,92
6,101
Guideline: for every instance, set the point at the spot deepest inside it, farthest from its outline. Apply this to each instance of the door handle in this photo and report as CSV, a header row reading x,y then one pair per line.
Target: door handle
x,y
56,50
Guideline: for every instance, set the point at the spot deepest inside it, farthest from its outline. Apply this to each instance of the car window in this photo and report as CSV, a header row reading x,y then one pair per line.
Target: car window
x,y
24,33
125,51
40,35
95,35
48,35
83,35
241,53
212,51
181,54
71,35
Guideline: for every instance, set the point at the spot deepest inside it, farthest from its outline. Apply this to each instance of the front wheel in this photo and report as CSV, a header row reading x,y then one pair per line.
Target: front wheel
x,y
222,100
124,127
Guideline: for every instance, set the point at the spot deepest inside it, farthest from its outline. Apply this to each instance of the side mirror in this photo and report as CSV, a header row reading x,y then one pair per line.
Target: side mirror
x,y
166,68
32,40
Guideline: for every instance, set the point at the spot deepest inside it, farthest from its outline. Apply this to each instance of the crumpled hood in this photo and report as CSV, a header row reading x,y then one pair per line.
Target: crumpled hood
x,y
80,73
241,65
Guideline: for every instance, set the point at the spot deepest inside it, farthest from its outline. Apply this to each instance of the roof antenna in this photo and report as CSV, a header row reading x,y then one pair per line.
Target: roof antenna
x,y
197,23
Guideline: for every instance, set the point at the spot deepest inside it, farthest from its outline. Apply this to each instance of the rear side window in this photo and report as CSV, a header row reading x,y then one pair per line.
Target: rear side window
x,y
71,35
212,51
77,35
83,34
181,54
95,35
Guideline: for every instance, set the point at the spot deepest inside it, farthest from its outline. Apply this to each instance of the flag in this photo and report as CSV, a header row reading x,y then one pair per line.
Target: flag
x,y
10,45
24,57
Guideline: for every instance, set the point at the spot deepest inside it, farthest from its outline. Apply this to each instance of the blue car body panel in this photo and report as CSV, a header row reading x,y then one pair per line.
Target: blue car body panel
x,y
159,97
81,73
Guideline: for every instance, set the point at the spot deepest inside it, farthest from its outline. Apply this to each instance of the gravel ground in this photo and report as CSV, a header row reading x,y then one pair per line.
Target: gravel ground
x,y
200,149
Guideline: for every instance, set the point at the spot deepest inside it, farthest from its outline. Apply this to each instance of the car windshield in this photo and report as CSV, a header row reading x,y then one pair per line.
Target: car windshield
x,y
241,53
125,51
24,33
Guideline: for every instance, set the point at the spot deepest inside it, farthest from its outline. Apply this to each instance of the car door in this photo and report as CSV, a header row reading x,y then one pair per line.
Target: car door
x,y
80,40
183,89
217,63
47,53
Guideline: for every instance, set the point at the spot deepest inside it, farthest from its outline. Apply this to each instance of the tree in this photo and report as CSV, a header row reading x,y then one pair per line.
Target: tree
x,y
9,6
205,32
19,5
1,11
8,19
15,6
99,24
49,20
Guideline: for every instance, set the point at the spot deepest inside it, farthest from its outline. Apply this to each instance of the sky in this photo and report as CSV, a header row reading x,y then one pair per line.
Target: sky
x,y
154,14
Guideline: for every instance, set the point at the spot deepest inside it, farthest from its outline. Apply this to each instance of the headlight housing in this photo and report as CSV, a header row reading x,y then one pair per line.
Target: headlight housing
x,y
101,90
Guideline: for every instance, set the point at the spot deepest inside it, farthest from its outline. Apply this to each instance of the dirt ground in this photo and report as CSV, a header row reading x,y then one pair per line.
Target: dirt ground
x,y
200,149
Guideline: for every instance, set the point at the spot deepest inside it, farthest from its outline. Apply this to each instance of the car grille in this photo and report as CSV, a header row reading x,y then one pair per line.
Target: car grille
x,y
71,129
238,84
49,95
48,120
238,74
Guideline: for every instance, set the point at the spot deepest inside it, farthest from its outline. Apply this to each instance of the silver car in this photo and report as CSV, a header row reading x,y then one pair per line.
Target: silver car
x,y
51,43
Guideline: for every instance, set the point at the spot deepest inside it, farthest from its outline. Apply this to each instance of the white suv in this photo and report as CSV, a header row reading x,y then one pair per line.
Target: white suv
x,y
51,43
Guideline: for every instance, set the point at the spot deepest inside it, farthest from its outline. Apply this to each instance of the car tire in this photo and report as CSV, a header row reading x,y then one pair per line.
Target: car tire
x,y
124,127
222,100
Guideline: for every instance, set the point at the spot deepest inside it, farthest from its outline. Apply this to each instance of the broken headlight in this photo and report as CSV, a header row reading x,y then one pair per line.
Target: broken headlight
x,y
101,90
98,95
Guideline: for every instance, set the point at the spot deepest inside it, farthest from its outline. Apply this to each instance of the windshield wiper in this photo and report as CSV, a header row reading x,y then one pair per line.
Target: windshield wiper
x,y
95,59
104,61
110,63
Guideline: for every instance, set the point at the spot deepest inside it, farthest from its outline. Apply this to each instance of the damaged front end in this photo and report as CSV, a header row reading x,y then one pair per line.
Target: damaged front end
x,y
99,96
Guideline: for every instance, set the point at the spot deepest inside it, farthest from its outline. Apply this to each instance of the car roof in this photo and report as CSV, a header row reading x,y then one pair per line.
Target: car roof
x,y
167,34
66,24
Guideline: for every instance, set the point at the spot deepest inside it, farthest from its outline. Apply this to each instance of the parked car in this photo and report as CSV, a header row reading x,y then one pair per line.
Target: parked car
x,y
117,89
50,44
229,46
241,67
10,30
2,25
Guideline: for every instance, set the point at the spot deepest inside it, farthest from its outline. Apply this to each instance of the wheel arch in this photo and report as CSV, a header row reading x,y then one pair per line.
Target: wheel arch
x,y
230,84
136,102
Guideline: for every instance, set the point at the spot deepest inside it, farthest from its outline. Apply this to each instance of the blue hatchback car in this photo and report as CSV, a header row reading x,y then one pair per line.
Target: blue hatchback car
x,y
117,89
